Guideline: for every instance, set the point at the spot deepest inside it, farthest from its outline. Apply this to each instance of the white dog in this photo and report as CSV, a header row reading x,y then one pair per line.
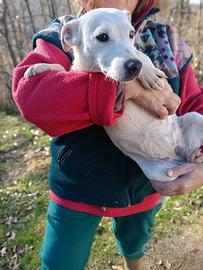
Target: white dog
x,y
103,40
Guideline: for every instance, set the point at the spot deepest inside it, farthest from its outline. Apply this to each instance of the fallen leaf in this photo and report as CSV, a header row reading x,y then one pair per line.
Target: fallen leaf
x,y
3,251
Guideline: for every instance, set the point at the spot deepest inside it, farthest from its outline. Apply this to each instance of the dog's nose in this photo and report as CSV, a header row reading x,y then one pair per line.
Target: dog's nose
x,y
133,67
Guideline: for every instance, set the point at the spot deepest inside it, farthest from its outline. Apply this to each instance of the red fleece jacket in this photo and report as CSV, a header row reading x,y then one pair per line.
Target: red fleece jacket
x,y
61,102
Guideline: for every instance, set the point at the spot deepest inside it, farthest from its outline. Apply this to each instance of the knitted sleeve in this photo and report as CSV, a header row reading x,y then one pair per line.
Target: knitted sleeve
x,y
59,102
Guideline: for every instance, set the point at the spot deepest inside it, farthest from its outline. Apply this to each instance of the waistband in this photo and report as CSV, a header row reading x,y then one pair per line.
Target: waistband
x,y
148,203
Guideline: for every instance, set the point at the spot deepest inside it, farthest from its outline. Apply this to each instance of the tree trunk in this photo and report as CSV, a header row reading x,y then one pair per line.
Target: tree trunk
x,y
43,11
69,7
31,16
5,33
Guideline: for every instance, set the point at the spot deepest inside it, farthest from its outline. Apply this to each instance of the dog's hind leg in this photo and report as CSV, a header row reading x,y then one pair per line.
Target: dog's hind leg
x,y
41,67
156,169
196,156
192,132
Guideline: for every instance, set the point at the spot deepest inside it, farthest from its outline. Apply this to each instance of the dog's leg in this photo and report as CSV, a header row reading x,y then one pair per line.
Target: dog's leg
x,y
42,67
150,76
192,132
196,156
155,169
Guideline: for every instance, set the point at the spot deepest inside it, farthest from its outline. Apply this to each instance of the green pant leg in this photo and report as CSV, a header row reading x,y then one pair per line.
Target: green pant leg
x,y
68,238
133,232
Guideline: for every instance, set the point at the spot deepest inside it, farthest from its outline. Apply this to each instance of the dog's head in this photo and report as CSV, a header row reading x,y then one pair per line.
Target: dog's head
x,y
103,40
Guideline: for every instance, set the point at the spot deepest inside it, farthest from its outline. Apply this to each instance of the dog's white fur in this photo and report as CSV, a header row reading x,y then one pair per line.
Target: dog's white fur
x,y
156,145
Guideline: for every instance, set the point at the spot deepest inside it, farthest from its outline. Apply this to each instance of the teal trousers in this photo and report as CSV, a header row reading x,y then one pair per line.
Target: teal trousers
x,y
69,236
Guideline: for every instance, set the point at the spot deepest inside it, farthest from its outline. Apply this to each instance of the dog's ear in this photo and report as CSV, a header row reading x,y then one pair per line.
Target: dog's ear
x,y
70,35
127,12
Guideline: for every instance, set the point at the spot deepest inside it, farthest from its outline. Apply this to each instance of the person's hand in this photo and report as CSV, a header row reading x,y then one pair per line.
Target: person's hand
x,y
161,103
190,177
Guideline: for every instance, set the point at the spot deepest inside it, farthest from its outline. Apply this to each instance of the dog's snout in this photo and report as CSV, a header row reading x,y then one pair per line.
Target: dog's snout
x,y
133,67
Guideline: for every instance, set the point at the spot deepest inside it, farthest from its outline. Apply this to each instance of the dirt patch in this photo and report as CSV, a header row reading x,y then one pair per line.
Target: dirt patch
x,y
35,161
18,164
178,252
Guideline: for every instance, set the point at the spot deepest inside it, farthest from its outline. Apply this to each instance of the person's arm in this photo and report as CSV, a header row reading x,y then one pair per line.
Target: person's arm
x,y
61,102
189,175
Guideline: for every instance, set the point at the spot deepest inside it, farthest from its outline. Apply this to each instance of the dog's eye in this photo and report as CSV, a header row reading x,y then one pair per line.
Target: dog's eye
x,y
103,37
131,34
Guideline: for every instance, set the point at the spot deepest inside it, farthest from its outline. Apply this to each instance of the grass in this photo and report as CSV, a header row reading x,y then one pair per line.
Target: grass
x,y
15,132
23,204
18,139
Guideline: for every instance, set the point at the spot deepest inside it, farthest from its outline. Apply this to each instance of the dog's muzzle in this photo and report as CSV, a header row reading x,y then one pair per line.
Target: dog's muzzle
x,y
132,68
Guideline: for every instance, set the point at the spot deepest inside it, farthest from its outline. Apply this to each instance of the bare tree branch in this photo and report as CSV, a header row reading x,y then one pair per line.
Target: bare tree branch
x,y
31,16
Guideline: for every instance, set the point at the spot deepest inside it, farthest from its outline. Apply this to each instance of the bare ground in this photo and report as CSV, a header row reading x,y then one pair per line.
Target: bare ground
x,y
178,252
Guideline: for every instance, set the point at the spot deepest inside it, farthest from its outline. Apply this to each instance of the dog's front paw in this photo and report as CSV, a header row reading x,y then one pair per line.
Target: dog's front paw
x,y
152,79
42,67
35,69
196,156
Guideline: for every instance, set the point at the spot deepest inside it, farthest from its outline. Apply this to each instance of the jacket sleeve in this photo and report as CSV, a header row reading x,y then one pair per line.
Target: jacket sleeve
x,y
191,93
59,102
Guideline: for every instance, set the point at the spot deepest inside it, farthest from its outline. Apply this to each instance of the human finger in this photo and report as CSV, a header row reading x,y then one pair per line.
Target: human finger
x,y
147,86
162,113
172,105
172,188
180,170
171,101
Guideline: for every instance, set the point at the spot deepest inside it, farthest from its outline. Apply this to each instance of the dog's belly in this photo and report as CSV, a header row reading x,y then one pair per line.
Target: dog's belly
x,y
148,140
138,131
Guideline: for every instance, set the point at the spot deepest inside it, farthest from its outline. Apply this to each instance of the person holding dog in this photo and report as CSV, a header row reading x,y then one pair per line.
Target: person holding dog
x,y
89,177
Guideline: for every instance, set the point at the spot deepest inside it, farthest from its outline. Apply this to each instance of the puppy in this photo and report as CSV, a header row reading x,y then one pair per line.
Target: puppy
x,y
103,41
